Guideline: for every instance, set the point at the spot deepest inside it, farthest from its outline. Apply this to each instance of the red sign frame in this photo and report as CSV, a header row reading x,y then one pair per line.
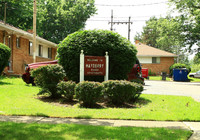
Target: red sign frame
x,y
94,65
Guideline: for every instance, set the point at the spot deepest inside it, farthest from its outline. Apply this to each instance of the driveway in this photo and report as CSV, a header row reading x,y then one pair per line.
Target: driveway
x,y
173,88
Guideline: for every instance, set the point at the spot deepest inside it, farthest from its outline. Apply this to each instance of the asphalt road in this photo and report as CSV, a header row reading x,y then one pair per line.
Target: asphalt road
x,y
172,88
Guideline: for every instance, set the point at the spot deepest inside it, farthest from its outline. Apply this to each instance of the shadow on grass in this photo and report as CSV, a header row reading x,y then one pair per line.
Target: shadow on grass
x,y
99,105
142,101
59,101
5,83
83,117
21,131
41,115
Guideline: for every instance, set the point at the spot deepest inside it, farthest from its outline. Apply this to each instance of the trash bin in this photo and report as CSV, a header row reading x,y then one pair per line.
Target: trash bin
x,y
180,74
145,73
164,75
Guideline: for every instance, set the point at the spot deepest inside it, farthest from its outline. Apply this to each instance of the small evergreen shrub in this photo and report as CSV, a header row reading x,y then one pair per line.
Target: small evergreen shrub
x,y
119,92
5,53
139,81
47,78
66,89
88,92
178,65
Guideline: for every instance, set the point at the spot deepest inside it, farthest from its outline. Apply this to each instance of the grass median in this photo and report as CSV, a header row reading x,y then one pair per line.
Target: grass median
x,y
159,78
17,98
22,131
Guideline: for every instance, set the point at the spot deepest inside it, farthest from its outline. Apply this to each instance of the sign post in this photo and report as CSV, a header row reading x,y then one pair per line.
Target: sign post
x,y
81,66
94,66
107,67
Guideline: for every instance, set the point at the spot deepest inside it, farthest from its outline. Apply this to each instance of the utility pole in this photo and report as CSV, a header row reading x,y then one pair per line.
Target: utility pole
x,y
120,22
5,6
34,29
129,27
111,28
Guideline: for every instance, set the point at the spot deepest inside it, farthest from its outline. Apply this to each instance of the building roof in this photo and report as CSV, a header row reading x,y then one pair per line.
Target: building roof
x,y
148,51
13,30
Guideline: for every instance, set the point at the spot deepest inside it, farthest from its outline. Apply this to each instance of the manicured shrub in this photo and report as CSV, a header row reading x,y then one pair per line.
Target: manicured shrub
x,y
66,89
88,92
119,92
139,81
47,78
179,65
139,88
122,54
5,53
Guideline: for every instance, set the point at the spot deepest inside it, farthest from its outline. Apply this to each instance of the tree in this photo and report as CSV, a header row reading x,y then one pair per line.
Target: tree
x,y
19,13
165,34
190,15
196,59
55,19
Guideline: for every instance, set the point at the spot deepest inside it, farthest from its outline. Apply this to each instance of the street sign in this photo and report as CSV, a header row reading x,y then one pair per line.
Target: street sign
x,y
95,65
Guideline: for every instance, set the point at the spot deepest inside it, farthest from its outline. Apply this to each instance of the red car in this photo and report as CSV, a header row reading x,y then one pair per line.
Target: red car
x,y
27,76
133,75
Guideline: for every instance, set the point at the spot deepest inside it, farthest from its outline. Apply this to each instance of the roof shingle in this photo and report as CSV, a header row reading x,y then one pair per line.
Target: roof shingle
x,y
145,50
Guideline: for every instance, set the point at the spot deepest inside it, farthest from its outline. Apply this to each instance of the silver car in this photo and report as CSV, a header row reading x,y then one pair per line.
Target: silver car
x,y
195,75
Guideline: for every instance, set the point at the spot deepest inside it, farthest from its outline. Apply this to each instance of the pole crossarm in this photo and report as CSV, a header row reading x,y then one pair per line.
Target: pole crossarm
x,y
120,22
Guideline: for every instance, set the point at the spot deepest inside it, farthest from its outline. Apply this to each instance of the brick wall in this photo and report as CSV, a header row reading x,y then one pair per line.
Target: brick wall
x,y
21,57
165,63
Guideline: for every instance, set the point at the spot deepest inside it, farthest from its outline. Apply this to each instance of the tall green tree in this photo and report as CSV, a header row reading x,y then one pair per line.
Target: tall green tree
x,y
165,34
19,13
189,11
55,19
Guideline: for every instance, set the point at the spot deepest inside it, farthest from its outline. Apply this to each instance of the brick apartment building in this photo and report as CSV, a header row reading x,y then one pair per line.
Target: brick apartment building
x,y
20,43
154,59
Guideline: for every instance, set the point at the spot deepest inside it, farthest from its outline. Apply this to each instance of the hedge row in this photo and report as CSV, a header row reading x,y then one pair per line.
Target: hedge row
x,y
50,80
115,91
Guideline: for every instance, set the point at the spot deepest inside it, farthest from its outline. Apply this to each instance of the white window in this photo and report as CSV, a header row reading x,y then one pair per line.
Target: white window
x,y
18,42
155,60
4,39
40,50
49,52
30,48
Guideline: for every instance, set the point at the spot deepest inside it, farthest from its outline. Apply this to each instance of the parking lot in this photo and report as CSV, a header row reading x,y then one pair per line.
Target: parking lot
x,y
173,88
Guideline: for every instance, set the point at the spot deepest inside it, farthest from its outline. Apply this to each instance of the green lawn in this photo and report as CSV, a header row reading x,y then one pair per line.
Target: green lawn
x,y
159,78
21,131
17,98
194,79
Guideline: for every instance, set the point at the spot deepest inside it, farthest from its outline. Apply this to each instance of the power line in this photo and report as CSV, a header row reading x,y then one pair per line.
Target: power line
x,y
116,20
131,5
127,17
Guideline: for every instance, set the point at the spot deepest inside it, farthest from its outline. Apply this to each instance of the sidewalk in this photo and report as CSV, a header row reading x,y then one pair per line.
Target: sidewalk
x,y
194,126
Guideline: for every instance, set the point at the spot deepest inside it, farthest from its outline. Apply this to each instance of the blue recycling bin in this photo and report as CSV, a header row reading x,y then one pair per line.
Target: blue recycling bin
x,y
180,74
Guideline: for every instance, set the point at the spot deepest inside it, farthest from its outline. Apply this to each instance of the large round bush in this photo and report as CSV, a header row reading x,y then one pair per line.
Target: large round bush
x,y
5,53
122,54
